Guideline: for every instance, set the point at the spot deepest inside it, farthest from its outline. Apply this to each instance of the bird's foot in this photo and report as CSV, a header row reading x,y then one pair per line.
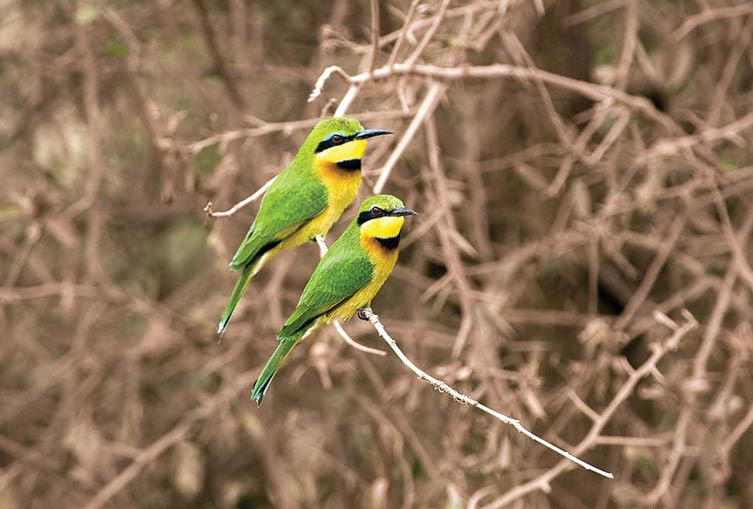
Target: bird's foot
x,y
365,313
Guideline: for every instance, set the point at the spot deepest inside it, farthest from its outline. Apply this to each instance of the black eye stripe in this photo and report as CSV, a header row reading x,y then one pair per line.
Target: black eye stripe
x,y
332,141
364,216
368,215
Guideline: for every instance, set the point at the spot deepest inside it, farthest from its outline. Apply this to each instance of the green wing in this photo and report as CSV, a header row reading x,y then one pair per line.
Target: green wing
x,y
340,274
291,201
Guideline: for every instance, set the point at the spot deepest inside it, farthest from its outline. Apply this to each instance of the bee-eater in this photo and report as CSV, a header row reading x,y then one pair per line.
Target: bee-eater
x,y
305,199
348,276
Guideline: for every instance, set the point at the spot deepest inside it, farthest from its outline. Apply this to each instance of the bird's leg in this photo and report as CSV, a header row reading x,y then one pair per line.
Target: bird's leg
x,y
364,313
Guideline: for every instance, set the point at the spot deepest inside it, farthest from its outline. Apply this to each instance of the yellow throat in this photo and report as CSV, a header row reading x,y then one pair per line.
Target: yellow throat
x,y
383,228
352,150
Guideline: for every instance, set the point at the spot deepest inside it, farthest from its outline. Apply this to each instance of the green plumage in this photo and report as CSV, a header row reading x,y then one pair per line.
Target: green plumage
x,y
295,198
345,279
343,271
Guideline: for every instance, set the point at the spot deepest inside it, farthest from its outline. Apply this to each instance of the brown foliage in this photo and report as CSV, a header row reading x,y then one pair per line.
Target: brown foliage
x,y
583,173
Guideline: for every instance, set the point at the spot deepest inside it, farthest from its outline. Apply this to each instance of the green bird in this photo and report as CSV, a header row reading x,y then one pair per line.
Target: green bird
x,y
305,199
346,279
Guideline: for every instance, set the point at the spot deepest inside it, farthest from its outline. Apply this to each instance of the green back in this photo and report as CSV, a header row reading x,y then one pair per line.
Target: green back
x,y
291,201
343,271
294,198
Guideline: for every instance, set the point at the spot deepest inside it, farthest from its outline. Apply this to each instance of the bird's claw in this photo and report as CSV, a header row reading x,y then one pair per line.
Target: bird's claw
x,y
364,313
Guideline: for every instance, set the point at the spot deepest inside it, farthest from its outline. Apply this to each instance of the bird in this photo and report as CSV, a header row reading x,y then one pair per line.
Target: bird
x,y
346,279
305,200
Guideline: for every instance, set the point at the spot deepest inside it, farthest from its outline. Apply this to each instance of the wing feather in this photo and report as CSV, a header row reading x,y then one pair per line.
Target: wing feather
x,y
339,275
290,203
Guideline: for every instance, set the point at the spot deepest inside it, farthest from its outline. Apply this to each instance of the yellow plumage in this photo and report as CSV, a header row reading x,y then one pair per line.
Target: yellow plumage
x,y
384,261
342,187
346,279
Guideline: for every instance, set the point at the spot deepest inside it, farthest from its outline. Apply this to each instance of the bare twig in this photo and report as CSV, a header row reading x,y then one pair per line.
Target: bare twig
x,y
590,90
542,481
709,15
403,32
166,441
332,69
437,20
432,98
355,344
375,29
246,201
441,386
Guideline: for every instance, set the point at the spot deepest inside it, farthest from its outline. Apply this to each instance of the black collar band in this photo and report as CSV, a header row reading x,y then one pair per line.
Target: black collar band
x,y
390,243
349,164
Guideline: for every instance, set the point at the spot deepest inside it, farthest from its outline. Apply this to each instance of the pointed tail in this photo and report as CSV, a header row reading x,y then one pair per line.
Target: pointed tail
x,y
270,368
238,290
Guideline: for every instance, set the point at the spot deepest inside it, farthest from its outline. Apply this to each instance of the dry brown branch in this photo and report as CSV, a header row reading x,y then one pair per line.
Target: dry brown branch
x,y
166,441
583,176
431,99
246,201
709,15
375,32
542,481
442,387
494,71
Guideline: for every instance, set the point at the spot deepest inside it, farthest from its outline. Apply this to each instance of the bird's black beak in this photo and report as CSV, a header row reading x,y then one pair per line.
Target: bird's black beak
x,y
402,211
370,133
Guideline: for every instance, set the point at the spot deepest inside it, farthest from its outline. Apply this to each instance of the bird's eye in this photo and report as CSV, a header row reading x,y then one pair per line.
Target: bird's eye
x,y
337,138
376,211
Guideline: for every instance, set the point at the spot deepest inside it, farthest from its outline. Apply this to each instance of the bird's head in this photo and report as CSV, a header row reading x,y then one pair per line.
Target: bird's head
x,y
340,141
381,218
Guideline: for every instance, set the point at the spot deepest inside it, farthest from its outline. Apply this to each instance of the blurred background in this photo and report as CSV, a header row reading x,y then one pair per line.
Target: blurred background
x,y
582,261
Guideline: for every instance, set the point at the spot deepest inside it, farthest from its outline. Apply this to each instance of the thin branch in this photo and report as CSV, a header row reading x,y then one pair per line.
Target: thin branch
x,y
285,127
403,32
347,100
433,96
652,273
429,34
374,5
235,208
441,386
166,441
352,342
710,15
319,85
492,71
217,55
542,482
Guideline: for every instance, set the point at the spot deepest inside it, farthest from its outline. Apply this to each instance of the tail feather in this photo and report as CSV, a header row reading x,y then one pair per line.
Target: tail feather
x,y
238,290
270,368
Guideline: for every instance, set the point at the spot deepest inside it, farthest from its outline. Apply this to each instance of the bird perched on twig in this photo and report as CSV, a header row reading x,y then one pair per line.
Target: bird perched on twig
x,y
346,280
305,199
